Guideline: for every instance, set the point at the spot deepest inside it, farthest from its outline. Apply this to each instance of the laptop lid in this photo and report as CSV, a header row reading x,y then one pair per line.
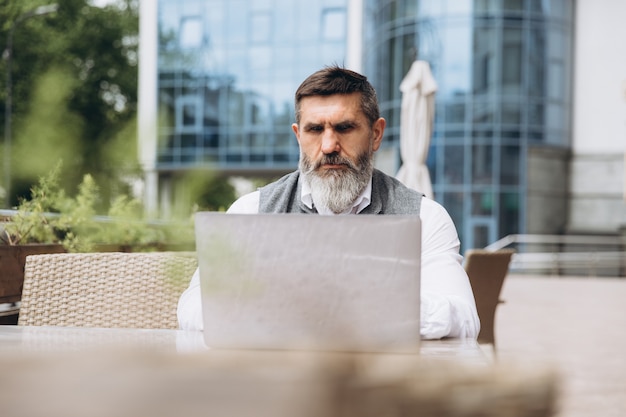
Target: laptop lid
x,y
330,283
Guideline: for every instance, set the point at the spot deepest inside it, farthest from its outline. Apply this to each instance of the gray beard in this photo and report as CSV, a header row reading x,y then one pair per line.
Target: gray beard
x,y
337,189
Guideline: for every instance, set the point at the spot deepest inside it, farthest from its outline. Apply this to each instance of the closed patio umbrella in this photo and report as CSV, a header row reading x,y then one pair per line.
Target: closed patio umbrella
x,y
416,119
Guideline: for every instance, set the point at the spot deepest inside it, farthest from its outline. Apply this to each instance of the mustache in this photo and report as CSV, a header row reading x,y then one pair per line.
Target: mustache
x,y
334,159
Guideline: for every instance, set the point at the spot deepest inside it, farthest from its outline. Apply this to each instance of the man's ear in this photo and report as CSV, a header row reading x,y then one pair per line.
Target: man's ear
x,y
296,132
378,130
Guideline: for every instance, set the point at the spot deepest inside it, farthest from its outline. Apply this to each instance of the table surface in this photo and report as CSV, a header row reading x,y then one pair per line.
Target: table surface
x,y
93,372
49,339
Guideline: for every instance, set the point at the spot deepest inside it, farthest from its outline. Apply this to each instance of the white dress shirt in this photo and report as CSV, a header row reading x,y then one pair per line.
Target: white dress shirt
x,y
448,308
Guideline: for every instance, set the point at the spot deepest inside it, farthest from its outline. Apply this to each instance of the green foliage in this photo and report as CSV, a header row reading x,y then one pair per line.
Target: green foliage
x,y
127,225
51,216
209,192
50,132
75,221
74,91
32,223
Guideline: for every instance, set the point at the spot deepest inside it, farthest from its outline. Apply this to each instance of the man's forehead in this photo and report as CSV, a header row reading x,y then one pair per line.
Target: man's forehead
x,y
341,106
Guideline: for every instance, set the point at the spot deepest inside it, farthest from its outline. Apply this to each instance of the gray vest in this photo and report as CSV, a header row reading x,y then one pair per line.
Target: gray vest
x,y
389,196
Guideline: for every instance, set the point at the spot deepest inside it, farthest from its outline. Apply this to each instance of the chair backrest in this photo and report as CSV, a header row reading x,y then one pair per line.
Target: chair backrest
x,y
486,271
138,290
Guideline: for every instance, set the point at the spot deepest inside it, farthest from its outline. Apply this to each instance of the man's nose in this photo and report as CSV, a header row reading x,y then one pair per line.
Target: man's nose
x,y
330,142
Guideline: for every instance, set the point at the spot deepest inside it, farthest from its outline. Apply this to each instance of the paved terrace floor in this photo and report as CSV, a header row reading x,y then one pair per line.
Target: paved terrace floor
x,y
576,324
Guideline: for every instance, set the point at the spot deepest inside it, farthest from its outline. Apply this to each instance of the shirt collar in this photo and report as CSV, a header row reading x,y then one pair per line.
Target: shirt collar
x,y
363,200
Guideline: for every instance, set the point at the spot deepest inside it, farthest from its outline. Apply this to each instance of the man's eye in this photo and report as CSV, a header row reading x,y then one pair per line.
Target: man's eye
x,y
344,127
315,128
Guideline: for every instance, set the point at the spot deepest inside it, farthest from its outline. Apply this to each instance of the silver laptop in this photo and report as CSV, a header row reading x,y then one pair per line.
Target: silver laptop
x,y
328,283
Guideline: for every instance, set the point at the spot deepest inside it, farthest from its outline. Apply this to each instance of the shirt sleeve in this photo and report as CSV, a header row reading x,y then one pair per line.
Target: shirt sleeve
x,y
448,308
189,309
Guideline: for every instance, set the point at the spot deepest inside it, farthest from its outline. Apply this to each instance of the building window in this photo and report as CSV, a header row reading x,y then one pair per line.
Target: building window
x,y
333,24
512,60
261,27
188,113
191,33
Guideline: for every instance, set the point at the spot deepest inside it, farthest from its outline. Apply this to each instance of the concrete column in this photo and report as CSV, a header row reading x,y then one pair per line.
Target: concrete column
x,y
147,102
354,53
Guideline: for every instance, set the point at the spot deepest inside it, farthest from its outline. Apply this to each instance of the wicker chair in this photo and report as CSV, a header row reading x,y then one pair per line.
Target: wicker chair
x,y
486,271
134,290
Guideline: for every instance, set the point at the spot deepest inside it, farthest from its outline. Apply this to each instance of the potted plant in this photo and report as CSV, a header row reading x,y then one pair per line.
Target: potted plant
x,y
50,221
31,230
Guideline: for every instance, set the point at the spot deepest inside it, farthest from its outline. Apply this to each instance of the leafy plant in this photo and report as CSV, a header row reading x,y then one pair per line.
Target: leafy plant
x,y
33,222
126,226
51,216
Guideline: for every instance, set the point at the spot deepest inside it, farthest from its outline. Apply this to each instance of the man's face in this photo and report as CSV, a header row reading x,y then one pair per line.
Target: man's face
x,y
336,148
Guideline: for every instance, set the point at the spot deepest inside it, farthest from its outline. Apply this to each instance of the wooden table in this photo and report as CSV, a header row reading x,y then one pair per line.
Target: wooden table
x,y
60,339
55,371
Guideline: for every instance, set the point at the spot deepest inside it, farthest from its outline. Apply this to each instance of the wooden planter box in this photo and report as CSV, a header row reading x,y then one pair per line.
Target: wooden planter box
x,y
12,260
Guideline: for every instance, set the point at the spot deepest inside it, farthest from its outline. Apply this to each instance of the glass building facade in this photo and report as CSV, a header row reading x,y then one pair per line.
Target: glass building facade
x,y
503,69
227,71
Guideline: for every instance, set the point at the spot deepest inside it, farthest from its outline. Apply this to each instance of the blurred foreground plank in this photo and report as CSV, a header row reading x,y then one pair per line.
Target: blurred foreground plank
x,y
132,382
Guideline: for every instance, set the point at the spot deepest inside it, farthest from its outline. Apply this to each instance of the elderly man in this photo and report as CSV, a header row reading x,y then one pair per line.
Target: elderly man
x,y
338,128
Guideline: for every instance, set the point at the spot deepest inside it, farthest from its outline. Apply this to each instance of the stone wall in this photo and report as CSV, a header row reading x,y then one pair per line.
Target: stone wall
x,y
546,202
596,201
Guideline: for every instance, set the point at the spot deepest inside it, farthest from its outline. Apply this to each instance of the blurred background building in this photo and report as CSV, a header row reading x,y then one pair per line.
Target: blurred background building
x,y
530,118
